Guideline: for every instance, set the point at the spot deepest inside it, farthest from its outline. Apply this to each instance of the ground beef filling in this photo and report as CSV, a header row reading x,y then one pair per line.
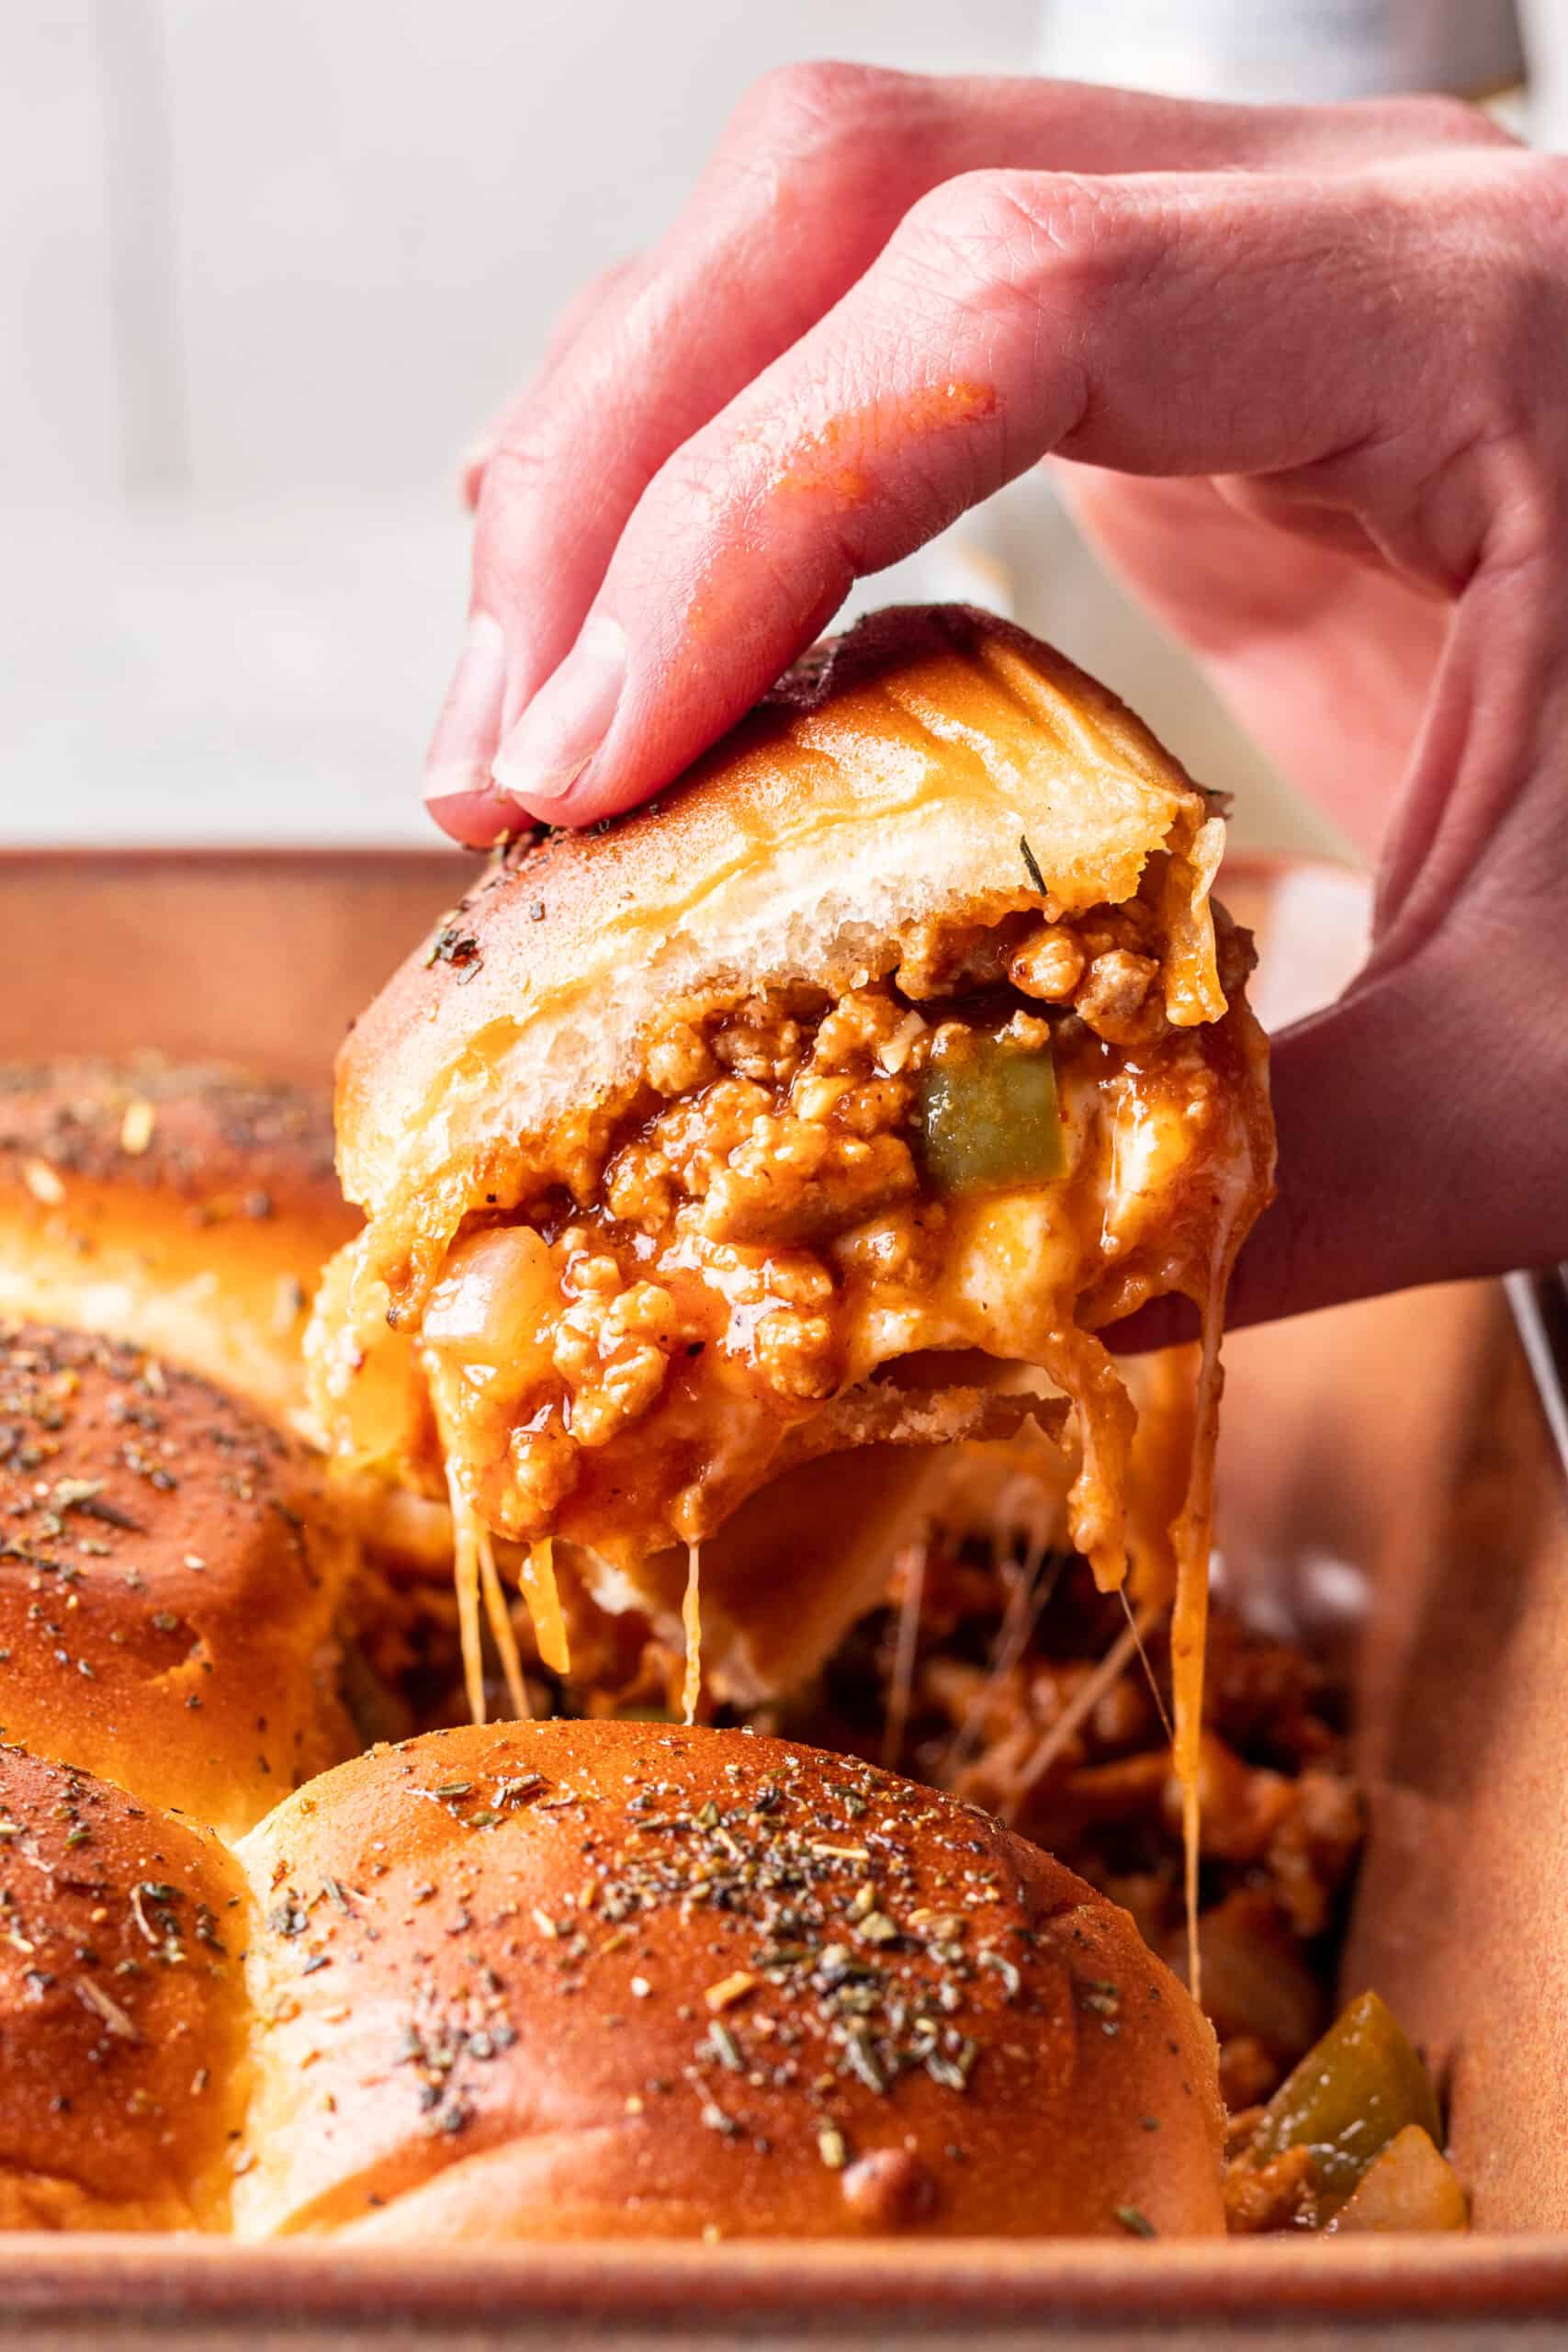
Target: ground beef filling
x,y
758,1208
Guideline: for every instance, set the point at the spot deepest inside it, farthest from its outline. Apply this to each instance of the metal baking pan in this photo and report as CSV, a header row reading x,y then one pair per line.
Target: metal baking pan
x,y
1391,1464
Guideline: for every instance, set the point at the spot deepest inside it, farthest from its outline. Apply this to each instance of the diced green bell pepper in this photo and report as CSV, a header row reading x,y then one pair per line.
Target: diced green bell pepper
x,y
992,1120
1355,2089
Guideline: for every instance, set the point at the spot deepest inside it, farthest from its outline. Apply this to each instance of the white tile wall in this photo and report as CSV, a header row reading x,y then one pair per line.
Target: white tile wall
x,y
59,411
265,268
254,248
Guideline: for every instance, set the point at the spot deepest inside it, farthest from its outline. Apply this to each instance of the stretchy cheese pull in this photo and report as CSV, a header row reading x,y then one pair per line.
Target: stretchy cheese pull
x,y
804,1113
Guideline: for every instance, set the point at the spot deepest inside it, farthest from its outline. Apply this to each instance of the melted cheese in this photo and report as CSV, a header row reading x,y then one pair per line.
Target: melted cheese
x,y
1027,1604
692,1621
1023,1276
467,1528
1192,1536
912,1565
476,1577
1167,1159
542,1592
1155,1692
477,1580
500,1618
1077,1711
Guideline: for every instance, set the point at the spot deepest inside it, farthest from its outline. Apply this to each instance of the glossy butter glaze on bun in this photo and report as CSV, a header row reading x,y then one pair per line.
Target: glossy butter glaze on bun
x,y
188,1208
564,1980
884,785
124,2026
170,1578
890,1057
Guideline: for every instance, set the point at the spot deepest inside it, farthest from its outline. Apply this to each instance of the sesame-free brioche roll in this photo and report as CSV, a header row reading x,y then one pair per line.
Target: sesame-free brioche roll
x,y
124,2025
170,1580
191,1209
898,1042
188,1208
564,1980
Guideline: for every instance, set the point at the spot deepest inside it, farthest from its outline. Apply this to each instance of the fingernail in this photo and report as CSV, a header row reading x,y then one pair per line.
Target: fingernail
x,y
478,819
567,720
463,745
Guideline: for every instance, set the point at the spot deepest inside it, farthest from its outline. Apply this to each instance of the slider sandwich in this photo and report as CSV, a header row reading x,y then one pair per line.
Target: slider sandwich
x,y
173,1582
188,1209
564,1981
837,1103
124,2027
185,1208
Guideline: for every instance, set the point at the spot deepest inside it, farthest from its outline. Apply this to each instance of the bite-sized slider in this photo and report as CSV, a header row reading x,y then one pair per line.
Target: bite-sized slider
x,y
897,1043
567,1980
124,2023
170,1578
191,1210
186,1208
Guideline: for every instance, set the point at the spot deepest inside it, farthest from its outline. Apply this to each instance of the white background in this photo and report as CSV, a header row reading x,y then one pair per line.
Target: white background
x,y
267,264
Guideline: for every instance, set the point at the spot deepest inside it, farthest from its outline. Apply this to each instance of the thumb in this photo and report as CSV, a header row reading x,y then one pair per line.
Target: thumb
x,y
1381,1184
996,324
1423,1119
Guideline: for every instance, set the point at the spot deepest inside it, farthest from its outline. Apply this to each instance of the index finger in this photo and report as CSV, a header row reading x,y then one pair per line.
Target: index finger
x,y
1157,323
815,173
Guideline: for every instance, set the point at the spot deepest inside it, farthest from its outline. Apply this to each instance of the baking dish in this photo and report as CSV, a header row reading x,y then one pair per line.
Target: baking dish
x,y
1390,1474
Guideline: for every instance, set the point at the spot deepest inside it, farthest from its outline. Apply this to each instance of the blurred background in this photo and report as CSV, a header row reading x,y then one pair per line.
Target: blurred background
x,y
267,269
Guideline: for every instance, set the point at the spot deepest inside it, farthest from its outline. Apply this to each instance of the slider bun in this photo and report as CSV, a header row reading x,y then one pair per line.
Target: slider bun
x,y
187,1209
886,783
561,1980
122,2009
169,1581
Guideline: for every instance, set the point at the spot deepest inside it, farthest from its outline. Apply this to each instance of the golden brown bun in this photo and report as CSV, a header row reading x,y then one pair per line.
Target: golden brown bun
x,y
884,783
645,1133
122,2009
187,1209
168,1582
563,1980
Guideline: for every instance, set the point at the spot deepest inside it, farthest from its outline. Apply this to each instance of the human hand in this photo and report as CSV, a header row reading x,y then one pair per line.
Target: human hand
x,y
1313,359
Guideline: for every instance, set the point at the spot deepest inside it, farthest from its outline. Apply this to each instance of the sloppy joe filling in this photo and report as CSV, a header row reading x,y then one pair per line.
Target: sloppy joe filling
x,y
999,1147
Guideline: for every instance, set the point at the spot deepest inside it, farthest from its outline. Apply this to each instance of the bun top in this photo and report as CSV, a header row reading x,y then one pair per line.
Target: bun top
x,y
888,782
169,1579
563,1980
185,1207
891,1045
122,2009
221,1140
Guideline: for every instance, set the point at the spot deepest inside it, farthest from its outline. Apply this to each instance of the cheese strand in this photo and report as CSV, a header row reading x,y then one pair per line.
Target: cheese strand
x,y
500,1618
542,1592
466,1576
691,1620
913,1562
